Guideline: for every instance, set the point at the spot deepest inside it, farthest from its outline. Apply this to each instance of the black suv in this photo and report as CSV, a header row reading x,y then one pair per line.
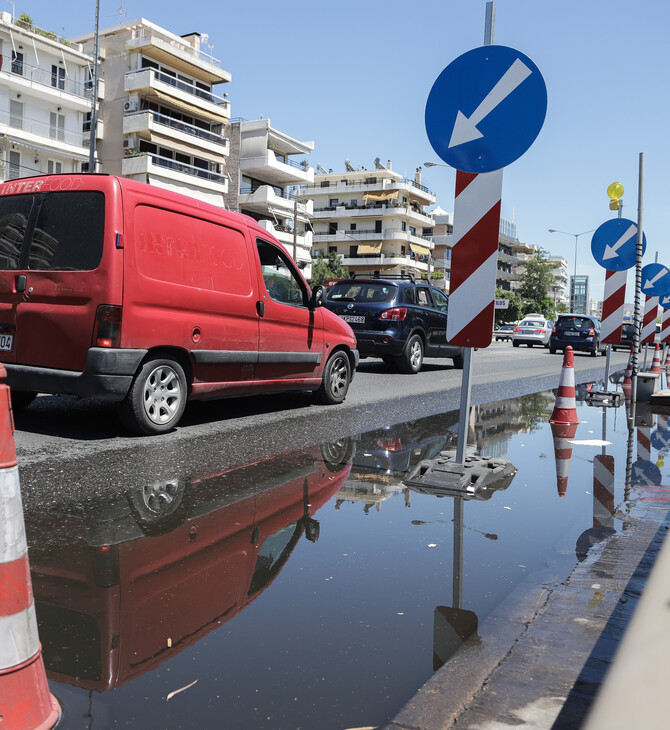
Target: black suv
x,y
397,319
581,331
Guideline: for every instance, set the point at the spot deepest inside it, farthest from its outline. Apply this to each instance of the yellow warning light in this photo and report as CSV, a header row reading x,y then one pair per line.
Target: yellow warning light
x,y
615,191
615,204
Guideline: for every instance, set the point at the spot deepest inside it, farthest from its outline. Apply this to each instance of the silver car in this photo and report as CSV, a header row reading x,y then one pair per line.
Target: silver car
x,y
533,329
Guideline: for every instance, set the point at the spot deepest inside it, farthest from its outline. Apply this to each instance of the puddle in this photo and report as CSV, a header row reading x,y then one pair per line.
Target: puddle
x,y
315,589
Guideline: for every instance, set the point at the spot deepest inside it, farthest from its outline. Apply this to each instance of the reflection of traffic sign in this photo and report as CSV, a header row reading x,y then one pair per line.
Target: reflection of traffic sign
x,y
486,109
614,244
665,301
645,473
660,439
655,280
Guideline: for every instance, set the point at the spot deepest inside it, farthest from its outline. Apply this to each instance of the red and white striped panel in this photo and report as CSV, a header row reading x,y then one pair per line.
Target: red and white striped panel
x,y
649,319
643,443
665,326
603,490
474,258
615,294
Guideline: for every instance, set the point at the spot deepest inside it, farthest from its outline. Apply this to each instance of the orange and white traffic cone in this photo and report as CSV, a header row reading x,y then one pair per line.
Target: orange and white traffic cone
x,y
656,362
25,700
562,434
666,362
565,409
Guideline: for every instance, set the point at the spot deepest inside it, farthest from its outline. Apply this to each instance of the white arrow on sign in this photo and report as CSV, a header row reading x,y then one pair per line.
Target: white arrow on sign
x,y
611,251
660,275
465,129
665,301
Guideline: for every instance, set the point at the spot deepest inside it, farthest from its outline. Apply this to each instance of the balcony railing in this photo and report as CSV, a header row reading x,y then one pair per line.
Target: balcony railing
x,y
44,129
184,86
44,77
181,167
182,46
185,127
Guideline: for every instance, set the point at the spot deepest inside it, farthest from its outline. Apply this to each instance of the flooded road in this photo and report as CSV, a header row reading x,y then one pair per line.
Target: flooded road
x,y
315,589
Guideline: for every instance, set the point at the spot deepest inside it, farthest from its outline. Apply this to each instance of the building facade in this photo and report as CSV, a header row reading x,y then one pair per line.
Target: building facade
x,y
45,104
164,123
375,220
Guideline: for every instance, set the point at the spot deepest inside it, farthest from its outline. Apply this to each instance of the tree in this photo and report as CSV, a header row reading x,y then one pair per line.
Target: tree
x,y
514,311
330,268
536,278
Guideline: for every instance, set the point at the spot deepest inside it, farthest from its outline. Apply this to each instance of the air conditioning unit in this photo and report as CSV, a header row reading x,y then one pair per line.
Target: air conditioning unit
x,y
130,143
130,106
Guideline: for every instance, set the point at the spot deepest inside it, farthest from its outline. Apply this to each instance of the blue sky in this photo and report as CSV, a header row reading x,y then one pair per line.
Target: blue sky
x,y
354,78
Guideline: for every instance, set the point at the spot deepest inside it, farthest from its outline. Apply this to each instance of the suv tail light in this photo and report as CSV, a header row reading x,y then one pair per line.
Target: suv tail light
x,y
390,444
107,329
397,314
553,329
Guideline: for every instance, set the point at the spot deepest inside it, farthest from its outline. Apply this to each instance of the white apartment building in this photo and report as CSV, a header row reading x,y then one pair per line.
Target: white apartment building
x,y
266,166
45,101
443,241
374,219
163,122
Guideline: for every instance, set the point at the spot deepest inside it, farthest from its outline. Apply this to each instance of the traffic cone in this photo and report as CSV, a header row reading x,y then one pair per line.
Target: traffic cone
x,y
666,362
562,434
565,409
656,362
25,700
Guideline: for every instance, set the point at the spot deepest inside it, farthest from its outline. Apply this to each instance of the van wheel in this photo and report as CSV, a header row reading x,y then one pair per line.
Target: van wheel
x,y
336,379
156,399
22,398
411,359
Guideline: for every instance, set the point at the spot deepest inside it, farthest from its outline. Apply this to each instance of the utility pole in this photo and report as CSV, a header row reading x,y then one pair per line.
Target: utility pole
x,y
94,95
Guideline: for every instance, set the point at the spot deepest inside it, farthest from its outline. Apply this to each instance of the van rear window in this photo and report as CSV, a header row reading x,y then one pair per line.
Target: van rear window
x,y
52,231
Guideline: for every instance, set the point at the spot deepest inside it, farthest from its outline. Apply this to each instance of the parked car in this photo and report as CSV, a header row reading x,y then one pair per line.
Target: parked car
x,y
581,331
627,337
533,329
397,319
120,290
504,332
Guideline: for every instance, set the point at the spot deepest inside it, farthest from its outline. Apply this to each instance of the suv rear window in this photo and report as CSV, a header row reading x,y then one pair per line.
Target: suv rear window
x,y
361,292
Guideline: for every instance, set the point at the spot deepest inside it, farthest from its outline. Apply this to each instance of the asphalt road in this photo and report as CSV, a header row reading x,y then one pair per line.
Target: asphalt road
x,y
72,450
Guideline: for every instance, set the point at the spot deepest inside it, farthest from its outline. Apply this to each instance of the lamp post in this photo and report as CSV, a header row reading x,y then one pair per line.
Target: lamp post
x,y
574,276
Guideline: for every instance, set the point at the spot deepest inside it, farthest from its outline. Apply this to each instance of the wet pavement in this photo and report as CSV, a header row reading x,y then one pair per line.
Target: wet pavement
x,y
315,589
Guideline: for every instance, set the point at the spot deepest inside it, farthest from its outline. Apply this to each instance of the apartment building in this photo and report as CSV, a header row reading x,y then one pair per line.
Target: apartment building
x,y
443,240
374,219
266,168
45,101
557,291
164,123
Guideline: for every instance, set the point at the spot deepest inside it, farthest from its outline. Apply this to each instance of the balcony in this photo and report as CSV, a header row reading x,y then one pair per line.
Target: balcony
x,y
145,163
21,77
386,262
384,184
387,235
173,91
146,123
363,210
276,169
42,135
265,198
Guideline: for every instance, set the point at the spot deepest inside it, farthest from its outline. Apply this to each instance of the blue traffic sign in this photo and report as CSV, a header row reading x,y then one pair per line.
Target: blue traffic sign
x,y
614,244
665,301
655,280
486,108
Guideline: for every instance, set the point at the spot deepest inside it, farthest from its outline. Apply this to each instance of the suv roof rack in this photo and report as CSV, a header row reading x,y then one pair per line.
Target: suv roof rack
x,y
377,275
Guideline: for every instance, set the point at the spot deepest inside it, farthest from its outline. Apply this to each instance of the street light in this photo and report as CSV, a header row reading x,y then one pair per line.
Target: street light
x,y
435,164
574,277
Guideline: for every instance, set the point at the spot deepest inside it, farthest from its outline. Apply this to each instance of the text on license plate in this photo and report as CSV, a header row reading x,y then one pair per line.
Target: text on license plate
x,y
355,318
6,342
572,334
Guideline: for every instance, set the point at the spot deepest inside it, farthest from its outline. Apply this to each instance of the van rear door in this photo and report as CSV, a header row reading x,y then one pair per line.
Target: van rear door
x,y
52,294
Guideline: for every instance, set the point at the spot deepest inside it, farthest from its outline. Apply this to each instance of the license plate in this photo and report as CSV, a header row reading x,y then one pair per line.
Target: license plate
x,y
6,342
355,318
572,334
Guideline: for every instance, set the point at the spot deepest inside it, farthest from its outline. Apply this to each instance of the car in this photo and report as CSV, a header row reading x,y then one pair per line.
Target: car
x,y
627,336
396,318
534,329
580,331
504,332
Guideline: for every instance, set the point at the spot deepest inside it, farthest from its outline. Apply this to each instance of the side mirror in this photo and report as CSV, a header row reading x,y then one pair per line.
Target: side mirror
x,y
316,300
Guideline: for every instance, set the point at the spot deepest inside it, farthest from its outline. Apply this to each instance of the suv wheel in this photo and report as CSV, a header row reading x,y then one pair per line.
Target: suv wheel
x,y
411,359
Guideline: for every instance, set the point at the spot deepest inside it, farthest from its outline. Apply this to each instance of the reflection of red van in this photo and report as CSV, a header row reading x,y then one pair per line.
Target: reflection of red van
x,y
120,290
98,600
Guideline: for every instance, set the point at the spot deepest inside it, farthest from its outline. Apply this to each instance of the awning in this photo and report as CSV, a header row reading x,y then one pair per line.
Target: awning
x,y
189,107
390,195
422,250
370,248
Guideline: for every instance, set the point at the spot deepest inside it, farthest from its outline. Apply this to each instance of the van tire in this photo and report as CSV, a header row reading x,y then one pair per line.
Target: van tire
x,y
336,379
22,398
157,398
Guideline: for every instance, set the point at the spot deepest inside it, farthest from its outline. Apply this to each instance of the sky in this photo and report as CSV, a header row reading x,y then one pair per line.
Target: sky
x,y
354,78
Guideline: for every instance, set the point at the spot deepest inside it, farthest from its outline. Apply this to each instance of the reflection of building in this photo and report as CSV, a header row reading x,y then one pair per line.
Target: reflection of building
x,y
47,84
263,174
164,123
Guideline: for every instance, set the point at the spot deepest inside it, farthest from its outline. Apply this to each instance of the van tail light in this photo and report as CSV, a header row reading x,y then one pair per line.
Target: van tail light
x,y
390,444
107,329
397,314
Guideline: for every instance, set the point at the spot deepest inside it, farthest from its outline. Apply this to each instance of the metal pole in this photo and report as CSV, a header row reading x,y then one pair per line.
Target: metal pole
x,y
295,230
489,23
464,414
638,288
94,98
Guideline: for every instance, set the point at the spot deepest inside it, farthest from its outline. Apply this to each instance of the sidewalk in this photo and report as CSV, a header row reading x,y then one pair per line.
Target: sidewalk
x,y
543,655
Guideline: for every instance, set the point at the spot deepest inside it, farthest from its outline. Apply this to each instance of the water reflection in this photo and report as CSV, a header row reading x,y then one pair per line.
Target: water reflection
x,y
130,584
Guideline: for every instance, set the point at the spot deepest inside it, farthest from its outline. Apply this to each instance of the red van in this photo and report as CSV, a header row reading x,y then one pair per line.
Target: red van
x,y
115,289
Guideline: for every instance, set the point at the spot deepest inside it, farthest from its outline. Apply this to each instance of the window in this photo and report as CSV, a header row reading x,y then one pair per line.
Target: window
x,y
56,125
54,167
58,77
403,226
17,63
280,278
334,202
423,297
14,164
332,228
441,302
16,114
378,226
352,227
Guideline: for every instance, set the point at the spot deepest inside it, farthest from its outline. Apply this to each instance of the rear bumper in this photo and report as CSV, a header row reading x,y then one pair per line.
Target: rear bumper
x,y
579,345
108,374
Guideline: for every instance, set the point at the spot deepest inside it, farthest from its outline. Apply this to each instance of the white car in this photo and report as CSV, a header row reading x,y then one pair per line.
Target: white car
x,y
533,329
